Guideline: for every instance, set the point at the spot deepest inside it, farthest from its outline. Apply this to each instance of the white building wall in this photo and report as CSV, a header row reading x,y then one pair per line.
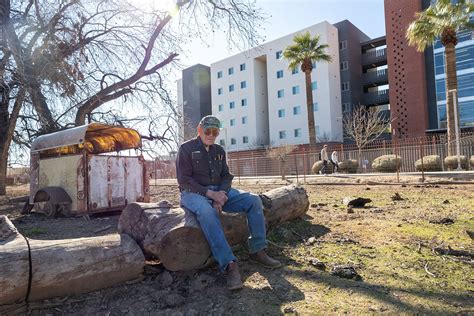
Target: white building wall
x,y
263,123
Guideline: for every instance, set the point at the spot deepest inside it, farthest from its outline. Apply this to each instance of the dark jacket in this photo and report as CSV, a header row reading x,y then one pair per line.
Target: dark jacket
x,y
196,168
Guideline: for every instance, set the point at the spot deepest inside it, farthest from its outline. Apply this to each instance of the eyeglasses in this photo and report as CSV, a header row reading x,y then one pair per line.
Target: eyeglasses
x,y
211,131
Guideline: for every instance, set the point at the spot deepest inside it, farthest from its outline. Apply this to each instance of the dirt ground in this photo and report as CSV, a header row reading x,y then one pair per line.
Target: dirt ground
x,y
389,244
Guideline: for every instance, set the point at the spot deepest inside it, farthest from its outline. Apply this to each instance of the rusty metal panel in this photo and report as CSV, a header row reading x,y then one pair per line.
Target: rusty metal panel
x,y
34,175
98,184
81,197
134,179
61,172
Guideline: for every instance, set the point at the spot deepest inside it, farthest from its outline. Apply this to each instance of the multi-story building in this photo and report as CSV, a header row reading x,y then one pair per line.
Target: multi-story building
x,y
194,99
417,80
262,102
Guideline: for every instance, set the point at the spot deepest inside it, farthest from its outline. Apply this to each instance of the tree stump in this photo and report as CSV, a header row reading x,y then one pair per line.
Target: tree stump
x,y
174,236
63,267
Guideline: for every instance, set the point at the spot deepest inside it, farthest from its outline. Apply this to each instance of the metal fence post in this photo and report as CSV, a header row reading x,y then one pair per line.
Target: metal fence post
x,y
422,164
304,165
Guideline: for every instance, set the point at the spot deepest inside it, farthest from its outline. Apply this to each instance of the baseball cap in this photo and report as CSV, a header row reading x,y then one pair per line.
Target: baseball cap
x,y
210,121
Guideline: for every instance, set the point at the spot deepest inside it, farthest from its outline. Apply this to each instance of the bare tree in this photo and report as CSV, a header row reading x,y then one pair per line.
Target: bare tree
x,y
281,154
63,63
364,125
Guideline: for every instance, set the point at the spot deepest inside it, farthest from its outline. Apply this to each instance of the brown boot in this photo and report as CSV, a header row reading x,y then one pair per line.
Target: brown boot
x,y
234,281
262,258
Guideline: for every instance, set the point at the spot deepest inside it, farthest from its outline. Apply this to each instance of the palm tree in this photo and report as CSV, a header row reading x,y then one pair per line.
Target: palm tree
x,y
443,19
304,52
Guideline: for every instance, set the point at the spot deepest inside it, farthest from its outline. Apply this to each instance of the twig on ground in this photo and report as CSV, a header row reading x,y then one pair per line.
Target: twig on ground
x,y
102,229
278,246
428,272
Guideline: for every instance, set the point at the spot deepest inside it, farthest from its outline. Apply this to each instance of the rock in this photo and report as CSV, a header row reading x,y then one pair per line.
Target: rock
x,y
367,188
430,163
311,241
289,310
387,163
173,300
442,221
165,279
446,202
317,263
346,272
355,202
396,197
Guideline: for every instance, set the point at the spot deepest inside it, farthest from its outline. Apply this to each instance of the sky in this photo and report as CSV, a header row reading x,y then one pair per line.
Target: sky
x,y
285,17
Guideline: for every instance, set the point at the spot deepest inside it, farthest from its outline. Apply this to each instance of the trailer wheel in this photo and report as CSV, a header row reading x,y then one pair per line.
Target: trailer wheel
x,y
49,208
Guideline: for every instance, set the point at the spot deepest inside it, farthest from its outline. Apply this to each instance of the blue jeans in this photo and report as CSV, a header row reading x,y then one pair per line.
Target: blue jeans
x,y
207,216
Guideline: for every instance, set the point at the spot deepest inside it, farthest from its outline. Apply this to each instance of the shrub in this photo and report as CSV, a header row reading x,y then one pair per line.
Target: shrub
x,y
317,166
430,163
348,166
387,163
451,162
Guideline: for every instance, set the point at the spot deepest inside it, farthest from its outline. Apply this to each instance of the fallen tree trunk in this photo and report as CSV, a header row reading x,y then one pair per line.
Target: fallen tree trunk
x,y
64,267
174,236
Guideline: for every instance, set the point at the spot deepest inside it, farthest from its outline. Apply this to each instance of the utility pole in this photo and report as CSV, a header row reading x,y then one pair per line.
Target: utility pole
x,y
454,93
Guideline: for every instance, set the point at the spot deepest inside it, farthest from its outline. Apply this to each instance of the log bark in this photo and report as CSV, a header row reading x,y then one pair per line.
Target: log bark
x,y
65,267
174,236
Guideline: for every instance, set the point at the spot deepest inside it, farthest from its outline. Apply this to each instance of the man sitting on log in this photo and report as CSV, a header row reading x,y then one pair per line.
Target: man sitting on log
x,y
205,184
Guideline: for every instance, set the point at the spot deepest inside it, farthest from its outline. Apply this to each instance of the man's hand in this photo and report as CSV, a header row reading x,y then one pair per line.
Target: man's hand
x,y
217,196
218,207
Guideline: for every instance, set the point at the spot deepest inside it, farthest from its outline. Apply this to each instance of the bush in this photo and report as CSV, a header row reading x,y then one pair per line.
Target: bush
x,y
348,166
451,162
387,163
318,165
430,163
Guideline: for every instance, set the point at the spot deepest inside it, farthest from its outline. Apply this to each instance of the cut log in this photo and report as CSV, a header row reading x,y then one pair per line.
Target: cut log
x,y
174,236
14,263
65,267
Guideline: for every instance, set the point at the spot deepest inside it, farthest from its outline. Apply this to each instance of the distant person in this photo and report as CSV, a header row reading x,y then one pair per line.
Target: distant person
x,y
335,161
324,158
205,184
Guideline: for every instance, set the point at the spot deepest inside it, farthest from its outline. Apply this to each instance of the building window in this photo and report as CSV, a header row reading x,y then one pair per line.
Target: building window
x,y
279,54
231,88
245,139
221,107
313,64
231,71
295,71
343,44
242,67
344,65
219,91
298,132
280,93
296,110
244,120
222,142
233,141
346,107
295,90
231,104
315,106
243,102
279,74
314,85
232,122
219,74
281,113
243,84
282,134
345,86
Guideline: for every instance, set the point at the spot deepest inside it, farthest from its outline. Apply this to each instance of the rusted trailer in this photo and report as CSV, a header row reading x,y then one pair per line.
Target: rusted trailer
x,y
80,171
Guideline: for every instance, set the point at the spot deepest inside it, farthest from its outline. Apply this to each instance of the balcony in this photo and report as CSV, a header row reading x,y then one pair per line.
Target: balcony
x,y
376,98
375,78
375,58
